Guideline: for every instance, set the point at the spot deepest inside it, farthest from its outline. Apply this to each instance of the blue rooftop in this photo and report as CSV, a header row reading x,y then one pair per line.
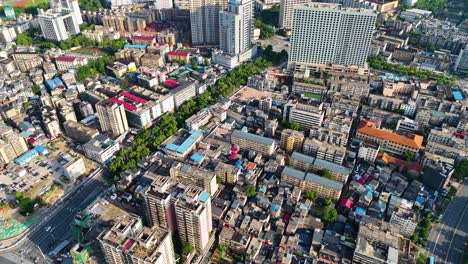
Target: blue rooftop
x,y
360,211
134,46
204,196
26,157
197,157
457,95
182,148
54,82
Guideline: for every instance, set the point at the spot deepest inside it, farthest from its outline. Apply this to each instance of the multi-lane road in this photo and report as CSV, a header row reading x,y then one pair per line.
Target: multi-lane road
x,y
41,239
446,240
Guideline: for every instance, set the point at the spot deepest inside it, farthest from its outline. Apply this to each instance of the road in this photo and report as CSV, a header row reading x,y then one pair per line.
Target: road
x,y
446,240
38,241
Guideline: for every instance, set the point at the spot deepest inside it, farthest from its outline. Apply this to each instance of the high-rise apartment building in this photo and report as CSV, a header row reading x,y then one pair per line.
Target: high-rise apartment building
x,y
291,140
11,144
286,12
159,203
235,34
128,241
61,21
112,117
204,21
340,35
193,216
236,26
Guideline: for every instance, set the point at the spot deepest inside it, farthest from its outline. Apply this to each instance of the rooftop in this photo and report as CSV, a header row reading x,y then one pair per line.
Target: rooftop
x,y
252,137
412,140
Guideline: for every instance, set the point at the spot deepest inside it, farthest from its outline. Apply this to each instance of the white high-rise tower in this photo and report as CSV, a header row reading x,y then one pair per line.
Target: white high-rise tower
x,y
330,34
236,26
204,21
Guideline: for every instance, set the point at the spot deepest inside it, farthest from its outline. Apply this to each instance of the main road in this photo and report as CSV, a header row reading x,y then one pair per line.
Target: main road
x,y
40,239
446,240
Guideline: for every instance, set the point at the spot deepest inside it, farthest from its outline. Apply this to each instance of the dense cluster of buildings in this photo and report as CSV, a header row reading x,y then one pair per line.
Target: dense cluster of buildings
x,y
256,171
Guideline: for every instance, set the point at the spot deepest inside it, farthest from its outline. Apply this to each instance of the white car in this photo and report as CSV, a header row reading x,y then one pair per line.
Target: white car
x,y
48,228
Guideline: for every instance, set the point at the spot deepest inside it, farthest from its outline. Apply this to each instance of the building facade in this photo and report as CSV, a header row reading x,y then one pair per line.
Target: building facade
x,y
341,35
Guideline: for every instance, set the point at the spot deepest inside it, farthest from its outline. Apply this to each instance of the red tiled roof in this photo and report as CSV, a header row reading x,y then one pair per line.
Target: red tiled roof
x,y
126,105
171,83
66,58
368,128
177,53
133,97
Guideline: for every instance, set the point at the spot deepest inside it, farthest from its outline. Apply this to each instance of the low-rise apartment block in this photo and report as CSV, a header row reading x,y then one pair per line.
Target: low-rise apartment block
x,y
307,163
245,140
389,141
291,140
101,149
324,187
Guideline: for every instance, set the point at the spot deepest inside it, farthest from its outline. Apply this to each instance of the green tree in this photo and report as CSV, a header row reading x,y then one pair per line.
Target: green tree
x,y
26,105
421,259
438,7
266,31
270,16
461,170
310,195
327,201
294,126
326,173
36,89
206,62
250,190
328,214
408,155
85,26
187,248
90,5
24,39
194,65
124,83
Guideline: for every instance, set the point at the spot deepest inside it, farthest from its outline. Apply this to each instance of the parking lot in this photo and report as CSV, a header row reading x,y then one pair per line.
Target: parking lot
x,y
36,176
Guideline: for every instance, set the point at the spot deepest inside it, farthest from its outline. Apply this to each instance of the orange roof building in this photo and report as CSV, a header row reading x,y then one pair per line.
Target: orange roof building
x,y
388,141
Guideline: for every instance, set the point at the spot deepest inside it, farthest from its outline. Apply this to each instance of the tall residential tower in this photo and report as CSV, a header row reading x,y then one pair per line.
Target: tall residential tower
x,y
325,34
112,117
204,21
235,34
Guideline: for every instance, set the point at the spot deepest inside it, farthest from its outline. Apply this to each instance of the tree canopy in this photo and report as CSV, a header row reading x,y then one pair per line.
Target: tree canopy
x,y
266,31
187,248
24,39
328,214
250,190
437,7
308,194
326,173
461,170
90,5
379,63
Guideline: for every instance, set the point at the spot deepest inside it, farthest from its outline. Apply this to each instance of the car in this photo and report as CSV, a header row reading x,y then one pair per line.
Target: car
x,y
47,229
